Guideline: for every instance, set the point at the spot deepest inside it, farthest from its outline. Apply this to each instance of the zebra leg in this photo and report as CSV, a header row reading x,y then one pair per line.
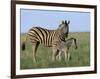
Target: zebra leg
x,y
69,57
66,54
59,56
34,53
34,48
55,52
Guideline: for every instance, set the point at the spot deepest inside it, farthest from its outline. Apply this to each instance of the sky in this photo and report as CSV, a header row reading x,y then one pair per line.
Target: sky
x,y
49,19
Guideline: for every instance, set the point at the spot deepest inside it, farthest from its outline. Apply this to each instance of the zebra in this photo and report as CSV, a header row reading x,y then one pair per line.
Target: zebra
x,y
48,38
64,46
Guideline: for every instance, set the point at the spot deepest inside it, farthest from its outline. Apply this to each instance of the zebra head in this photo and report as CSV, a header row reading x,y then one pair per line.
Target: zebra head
x,y
64,27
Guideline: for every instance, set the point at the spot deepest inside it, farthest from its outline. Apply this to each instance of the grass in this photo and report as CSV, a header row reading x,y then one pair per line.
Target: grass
x,y
79,57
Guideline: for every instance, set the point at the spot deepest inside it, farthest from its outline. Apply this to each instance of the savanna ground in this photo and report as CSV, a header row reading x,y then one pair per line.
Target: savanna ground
x,y
79,57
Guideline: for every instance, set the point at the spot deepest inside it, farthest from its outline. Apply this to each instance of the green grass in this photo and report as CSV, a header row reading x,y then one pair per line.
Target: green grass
x,y
79,57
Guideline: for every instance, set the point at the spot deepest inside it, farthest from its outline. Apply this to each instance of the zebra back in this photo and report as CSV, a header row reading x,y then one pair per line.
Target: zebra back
x,y
48,37
41,35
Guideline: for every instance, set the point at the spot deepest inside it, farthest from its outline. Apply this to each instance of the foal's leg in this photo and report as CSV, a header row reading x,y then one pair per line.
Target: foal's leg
x,y
34,48
66,53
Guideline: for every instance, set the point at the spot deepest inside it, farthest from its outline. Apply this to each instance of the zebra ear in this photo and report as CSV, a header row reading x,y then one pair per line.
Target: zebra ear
x,y
62,22
65,21
68,22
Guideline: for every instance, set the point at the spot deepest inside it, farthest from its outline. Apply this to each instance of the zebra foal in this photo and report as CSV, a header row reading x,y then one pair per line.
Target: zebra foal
x,y
64,46
49,38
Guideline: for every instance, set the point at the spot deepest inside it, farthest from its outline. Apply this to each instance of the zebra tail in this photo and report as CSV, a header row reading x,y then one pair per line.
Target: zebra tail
x,y
23,44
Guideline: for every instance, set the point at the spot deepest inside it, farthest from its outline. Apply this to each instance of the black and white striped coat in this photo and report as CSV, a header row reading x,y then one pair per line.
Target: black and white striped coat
x,y
45,37
38,35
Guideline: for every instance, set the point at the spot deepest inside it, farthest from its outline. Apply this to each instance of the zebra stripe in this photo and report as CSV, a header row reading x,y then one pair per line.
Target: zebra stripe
x,y
44,36
46,33
38,35
34,31
49,37
32,36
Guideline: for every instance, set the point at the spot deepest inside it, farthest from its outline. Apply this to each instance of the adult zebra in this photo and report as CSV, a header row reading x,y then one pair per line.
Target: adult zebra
x,y
49,38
